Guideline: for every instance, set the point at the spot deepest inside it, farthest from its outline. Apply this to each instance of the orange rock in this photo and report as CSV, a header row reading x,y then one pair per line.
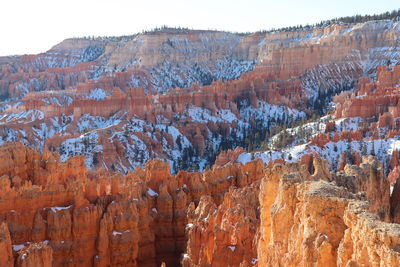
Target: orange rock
x,y
228,156
220,217
37,254
6,258
303,222
223,235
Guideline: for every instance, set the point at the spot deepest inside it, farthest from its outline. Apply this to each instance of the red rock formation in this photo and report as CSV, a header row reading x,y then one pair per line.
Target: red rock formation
x,y
379,99
317,222
223,235
97,218
394,175
368,177
6,258
228,156
79,218
37,254
290,67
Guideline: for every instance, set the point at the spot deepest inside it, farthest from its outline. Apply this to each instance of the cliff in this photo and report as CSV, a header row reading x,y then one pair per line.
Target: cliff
x,y
56,213
178,94
61,214
304,221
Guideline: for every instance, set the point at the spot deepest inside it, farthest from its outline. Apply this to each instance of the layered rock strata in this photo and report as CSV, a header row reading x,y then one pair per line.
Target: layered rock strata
x,y
213,88
300,219
60,214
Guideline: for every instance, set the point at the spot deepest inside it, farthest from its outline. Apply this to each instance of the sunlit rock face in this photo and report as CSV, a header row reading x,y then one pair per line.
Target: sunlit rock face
x,y
56,213
108,145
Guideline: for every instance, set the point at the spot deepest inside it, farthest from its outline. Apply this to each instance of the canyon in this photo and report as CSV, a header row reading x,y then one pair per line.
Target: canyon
x,y
175,94
198,148
62,214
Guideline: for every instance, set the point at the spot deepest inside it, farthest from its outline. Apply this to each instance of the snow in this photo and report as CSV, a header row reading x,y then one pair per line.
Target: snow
x,y
232,248
86,144
18,247
17,104
202,115
23,88
244,158
152,193
331,151
88,122
301,134
58,99
381,56
97,94
60,58
226,115
266,112
346,30
116,233
348,124
55,209
136,151
331,78
169,75
81,136
23,117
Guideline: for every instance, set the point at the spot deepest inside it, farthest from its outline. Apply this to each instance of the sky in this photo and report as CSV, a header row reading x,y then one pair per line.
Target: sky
x,y
34,26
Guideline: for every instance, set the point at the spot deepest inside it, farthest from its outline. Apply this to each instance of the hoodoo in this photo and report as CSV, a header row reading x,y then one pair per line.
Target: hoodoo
x,y
204,148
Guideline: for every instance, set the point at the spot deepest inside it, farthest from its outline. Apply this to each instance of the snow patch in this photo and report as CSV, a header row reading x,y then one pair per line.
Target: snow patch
x,y
152,193
55,209
97,94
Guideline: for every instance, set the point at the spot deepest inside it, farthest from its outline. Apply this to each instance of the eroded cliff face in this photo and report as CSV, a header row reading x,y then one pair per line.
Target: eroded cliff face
x,y
364,121
185,95
224,235
58,213
291,214
319,223
300,219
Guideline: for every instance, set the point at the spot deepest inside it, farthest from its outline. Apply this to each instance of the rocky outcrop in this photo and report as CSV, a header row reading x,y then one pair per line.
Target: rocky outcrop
x,y
317,222
231,215
182,94
368,177
58,213
367,240
5,246
374,98
37,254
224,235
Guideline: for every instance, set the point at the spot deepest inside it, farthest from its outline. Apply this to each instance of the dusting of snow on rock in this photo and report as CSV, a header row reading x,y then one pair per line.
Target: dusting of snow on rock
x,y
116,233
55,209
97,94
152,193
18,247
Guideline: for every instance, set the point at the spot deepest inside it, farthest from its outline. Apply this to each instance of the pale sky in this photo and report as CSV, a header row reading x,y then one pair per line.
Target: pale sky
x,y
34,26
